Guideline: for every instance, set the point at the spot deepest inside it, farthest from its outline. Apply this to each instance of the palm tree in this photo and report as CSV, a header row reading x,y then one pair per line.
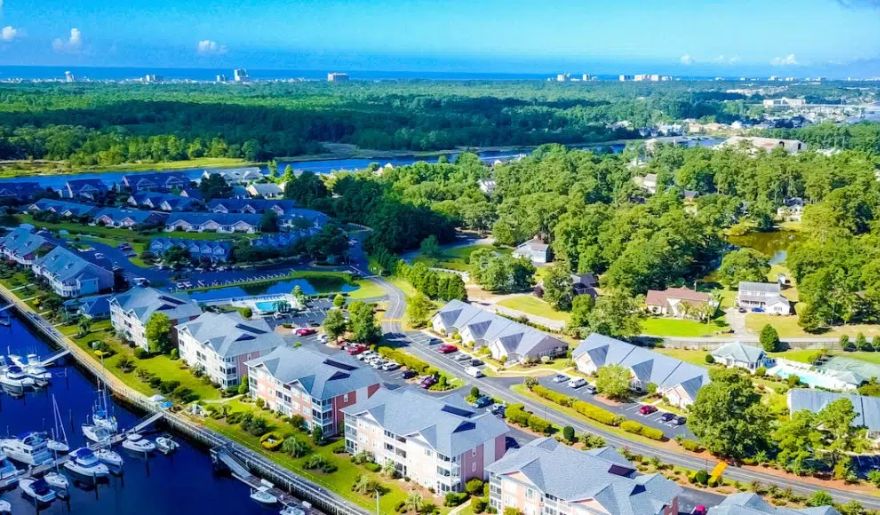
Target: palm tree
x,y
84,324
413,502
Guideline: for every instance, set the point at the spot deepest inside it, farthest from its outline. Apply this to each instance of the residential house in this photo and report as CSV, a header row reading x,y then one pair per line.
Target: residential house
x,y
487,186
867,408
302,219
23,246
792,210
737,354
214,222
680,303
89,189
548,477
312,384
199,250
69,275
506,340
192,193
268,190
280,207
159,181
23,191
220,344
128,218
437,442
236,175
96,307
534,250
792,146
765,297
584,284
649,182
276,240
163,201
130,312
61,208
675,380
748,503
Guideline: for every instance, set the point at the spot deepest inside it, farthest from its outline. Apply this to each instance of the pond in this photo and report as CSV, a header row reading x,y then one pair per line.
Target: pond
x,y
310,286
773,244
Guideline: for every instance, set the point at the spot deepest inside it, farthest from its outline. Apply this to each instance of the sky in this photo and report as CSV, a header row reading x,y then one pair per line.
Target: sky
x,y
833,38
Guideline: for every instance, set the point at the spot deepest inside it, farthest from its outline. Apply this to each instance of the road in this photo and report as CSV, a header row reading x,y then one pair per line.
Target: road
x,y
394,332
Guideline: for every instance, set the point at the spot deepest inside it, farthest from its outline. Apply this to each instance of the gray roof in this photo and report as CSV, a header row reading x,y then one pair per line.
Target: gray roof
x,y
765,288
267,189
21,241
22,189
648,366
600,474
175,202
138,216
740,352
220,218
748,503
534,245
867,408
144,302
231,335
68,267
158,180
323,376
255,205
447,423
61,206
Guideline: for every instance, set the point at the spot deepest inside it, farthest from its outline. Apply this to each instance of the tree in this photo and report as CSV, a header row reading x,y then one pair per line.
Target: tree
x,y
501,273
581,307
862,343
840,437
418,309
298,295
363,322
243,385
413,502
743,265
214,186
568,434
269,221
613,381
338,301
295,447
158,333
797,438
84,325
335,324
770,339
317,435
728,417
430,247
558,290
617,315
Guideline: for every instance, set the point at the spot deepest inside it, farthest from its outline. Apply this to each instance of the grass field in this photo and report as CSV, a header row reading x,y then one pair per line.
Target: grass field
x,y
534,306
454,258
787,327
30,168
696,357
657,326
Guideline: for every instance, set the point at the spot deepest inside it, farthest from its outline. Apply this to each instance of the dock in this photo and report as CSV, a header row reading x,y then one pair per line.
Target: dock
x,y
53,358
239,471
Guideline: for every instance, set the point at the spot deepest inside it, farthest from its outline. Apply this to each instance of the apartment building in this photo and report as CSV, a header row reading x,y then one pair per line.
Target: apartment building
x,y
69,275
130,312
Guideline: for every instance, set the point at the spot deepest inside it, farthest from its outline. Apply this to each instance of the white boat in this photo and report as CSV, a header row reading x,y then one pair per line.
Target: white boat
x,y
166,445
8,472
37,489
38,373
97,434
137,443
14,377
58,431
111,458
292,510
101,415
5,507
84,463
28,448
57,481
262,496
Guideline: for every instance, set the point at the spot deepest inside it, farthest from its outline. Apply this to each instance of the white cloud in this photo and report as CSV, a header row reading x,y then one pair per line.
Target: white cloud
x,y
209,47
686,59
72,45
8,33
723,59
789,60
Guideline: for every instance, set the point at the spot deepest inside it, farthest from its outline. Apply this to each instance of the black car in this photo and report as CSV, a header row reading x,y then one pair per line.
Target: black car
x,y
314,323
409,374
477,363
681,420
666,417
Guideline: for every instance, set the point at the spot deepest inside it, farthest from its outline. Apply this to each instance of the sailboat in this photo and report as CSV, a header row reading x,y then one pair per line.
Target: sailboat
x,y
103,423
53,443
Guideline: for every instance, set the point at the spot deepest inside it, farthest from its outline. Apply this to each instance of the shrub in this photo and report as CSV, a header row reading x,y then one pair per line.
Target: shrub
x,y
372,467
455,498
700,477
474,486
479,505
539,425
631,426
141,353
690,445
568,434
271,441
710,359
596,413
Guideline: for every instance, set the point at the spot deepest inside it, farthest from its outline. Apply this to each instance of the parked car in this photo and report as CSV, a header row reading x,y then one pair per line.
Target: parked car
x,y
498,409
354,350
427,382
699,510
481,401
647,409
314,323
409,374
666,417
681,420
477,362
305,331
447,349
560,378
390,365
589,388
462,357
377,363
473,372
576,382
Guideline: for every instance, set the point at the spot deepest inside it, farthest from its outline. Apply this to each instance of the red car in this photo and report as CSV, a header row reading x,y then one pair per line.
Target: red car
x,y
305,331
647,409
447,349
700,510
354,350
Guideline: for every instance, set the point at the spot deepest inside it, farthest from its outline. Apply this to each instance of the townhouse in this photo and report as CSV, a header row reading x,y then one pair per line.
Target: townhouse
x,y
280,207
675,380
546,477
867,409
163,201
89,189
437,442
69,275
277,240
220,344
61,208
737,354
312,384
748,503
127,218
236,175
23,191
765,297
161,181
23,246
199,250
265,190
680,303
507,340
215,222
130,312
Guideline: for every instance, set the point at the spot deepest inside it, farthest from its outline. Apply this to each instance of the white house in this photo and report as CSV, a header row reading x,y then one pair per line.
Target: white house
x,y
534,250
679,302
130,312
69,275
736,354
765,297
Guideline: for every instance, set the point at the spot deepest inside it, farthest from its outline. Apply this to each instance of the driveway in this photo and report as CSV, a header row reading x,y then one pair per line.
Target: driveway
x,y
736,321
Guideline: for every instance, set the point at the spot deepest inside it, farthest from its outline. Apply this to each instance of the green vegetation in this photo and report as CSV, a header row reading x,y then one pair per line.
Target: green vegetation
x,y
453,258
658,326
532,305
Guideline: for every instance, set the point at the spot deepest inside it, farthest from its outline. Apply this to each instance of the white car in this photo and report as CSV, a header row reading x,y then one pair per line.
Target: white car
x,y
577,382
473,372
377,364
390,366
560,378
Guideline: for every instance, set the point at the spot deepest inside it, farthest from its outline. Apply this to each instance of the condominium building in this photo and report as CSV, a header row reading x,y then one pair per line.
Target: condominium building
x,y
69,275
130,312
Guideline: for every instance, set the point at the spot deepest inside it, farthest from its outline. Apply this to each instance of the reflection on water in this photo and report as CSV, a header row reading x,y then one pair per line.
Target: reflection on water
x,y
773,244
312,286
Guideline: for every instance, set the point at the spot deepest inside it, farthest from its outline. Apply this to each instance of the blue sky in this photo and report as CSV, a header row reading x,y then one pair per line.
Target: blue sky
x,y
782,37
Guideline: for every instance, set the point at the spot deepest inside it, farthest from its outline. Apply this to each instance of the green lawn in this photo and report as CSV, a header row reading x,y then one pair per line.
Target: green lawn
x,y
696,357
534,306
787,327
455,258
657,326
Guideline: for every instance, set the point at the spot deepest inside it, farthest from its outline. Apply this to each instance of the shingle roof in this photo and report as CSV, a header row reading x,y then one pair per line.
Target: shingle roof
x,y
231,335
765,288
164,180
867,408
323,376
75,185
447,423
67,267
144,302
266,189
257,205
748,503
22,189
21,241
739,352
220,218
117,214
661,297
48,204
574,476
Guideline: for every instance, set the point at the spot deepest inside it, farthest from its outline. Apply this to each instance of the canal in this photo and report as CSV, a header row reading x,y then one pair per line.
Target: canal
x,y
182,483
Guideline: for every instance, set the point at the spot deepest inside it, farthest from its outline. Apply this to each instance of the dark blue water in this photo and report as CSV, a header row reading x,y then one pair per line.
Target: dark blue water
x,y
267,288
182,483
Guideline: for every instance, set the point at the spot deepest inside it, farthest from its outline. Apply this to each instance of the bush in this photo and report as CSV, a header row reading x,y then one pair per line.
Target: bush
x,y
710,359
141,353
271,441
479,505
568,434
700,477
455,498
690,445
596,413
246,312
474,486
372,467
175,354
631,426
539,425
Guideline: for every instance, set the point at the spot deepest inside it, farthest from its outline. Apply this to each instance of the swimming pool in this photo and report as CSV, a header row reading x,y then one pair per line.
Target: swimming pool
x,y
267,306
811,378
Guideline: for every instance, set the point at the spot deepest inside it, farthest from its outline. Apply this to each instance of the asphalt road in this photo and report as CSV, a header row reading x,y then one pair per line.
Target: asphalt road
x,y
392,327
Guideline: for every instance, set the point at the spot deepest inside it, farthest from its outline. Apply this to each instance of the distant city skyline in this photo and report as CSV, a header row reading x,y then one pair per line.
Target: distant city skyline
x,y
832,38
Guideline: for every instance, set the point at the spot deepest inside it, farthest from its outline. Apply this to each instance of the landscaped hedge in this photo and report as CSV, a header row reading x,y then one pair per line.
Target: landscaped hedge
x,y
412,363
517,414
584,408
631,426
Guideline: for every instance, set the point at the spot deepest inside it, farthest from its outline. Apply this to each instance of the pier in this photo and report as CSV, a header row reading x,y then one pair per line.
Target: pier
x,y
239,471
53,358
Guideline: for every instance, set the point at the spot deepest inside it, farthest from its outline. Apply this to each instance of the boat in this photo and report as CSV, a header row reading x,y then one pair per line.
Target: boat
x,y
110,458
28,448
166,445
85,464
5,320
15,377
38,373
58,431
97,434
101,415
8,472
292,510
137,443
57,481
262,495
38,490
5,507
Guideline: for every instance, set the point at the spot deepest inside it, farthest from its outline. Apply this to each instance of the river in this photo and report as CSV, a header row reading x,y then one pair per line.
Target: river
x,y
183,482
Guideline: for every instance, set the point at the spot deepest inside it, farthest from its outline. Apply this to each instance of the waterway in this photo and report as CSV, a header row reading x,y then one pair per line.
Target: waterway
x,y
308,286
182,483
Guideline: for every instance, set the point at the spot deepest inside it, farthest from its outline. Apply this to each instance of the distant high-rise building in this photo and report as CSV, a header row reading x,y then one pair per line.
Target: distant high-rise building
x,y
220,78
69,77
624,78
240,75
587,77
562,77
152,78
337,77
